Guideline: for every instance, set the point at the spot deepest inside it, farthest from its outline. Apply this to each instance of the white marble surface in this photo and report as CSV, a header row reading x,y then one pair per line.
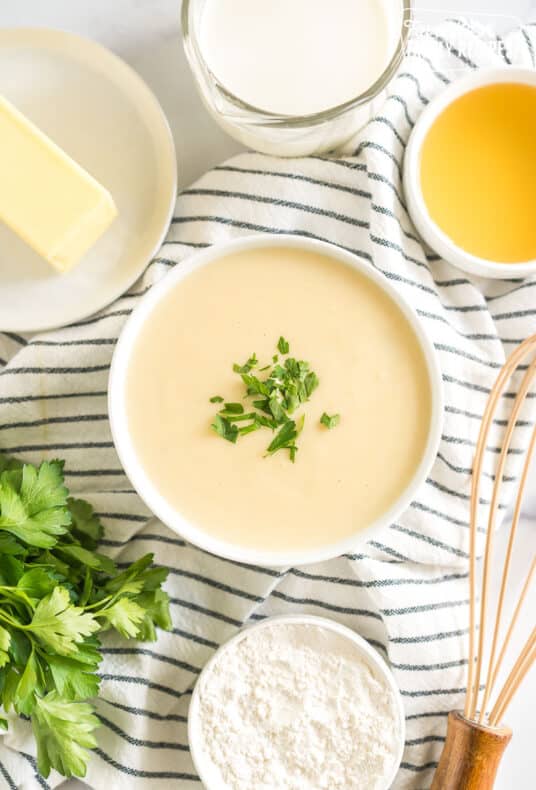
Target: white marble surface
x,y
146,33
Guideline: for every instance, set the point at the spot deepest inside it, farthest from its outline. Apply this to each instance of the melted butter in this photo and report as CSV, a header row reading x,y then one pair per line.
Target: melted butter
x,y
478,172
371,369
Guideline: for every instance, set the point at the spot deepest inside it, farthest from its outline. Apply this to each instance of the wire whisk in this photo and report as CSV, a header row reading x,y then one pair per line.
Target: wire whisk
x,y
476,740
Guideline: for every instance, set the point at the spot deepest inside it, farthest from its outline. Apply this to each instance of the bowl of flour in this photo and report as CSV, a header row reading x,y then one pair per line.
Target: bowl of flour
x,y
296,703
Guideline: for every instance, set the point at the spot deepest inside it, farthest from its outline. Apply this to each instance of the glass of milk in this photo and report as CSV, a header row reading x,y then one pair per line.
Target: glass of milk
x,y
294,77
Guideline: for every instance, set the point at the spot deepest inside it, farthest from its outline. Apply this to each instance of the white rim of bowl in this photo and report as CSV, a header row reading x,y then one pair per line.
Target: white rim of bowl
x,y
369,653
428,229
148,491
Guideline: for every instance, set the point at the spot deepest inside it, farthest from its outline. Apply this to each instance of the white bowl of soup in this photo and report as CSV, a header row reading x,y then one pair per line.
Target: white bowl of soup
x,y
369,430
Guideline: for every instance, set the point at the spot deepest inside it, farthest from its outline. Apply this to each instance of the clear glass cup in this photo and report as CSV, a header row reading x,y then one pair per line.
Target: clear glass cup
x,y
287,135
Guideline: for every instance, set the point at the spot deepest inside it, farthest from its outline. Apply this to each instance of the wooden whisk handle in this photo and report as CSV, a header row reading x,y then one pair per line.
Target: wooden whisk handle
x,y
471,755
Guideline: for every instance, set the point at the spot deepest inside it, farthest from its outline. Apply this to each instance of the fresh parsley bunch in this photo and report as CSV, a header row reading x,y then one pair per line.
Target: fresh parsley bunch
x,y
57,593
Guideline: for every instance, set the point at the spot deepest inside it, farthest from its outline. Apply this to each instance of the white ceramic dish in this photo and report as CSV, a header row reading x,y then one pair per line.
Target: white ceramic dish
x,y
367,652
100,111
429,230
147,490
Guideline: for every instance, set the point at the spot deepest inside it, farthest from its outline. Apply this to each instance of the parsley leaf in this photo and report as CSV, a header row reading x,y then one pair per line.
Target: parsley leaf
x,y
253,426
59,625
33,504
63,731
283,346
155,604
224,428
135,577
254,385
284,438
8,545
37,582
28,685
86,527
276,407
125,615
73,680
11,568
233,408
247,366
330,421
20,647
311,382
89,559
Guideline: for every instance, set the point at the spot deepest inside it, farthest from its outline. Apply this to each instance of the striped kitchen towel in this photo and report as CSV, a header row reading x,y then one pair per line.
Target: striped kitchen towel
x,y
406,593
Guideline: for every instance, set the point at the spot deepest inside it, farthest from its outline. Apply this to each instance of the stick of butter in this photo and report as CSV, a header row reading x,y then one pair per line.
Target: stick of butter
x,y
45,196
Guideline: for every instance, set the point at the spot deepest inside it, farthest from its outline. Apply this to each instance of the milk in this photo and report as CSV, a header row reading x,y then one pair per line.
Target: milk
x,y
298,57
294,77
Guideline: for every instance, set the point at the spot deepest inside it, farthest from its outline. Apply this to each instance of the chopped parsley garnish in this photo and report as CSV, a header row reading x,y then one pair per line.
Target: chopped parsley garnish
x,y
283,346
225,429
330,421
284,438
247,366
233,408
285,386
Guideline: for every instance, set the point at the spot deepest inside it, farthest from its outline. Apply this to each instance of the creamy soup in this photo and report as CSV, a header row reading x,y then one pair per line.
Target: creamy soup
x,y
371,369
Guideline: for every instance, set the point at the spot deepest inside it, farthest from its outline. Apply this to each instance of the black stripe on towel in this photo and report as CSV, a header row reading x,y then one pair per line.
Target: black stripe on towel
x,y
375,582
181,747
460,662
45,785
3,770
54,421
148,714
145,774
54,396
149,683
194,607
424,767
411,640
144,651
320,212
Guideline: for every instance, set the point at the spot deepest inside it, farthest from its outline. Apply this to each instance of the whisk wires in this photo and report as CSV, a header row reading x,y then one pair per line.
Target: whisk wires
x,y
476,652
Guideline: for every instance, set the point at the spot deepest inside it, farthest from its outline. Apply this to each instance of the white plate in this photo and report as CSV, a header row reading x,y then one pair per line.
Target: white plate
x,y
101,113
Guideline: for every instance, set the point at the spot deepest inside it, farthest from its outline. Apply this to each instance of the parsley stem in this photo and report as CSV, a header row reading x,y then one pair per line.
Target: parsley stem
x,y
97,603
238,417
15,594
14,623
109,600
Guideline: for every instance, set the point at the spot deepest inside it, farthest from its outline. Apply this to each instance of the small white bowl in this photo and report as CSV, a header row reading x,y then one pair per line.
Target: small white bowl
x,y
428,229
367,652
149,492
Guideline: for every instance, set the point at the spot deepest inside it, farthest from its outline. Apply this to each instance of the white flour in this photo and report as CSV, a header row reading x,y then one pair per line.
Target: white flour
x,y
294,707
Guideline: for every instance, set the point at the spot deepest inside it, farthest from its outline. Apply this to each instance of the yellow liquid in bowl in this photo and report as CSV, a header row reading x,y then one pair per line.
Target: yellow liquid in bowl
x,y
478,172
